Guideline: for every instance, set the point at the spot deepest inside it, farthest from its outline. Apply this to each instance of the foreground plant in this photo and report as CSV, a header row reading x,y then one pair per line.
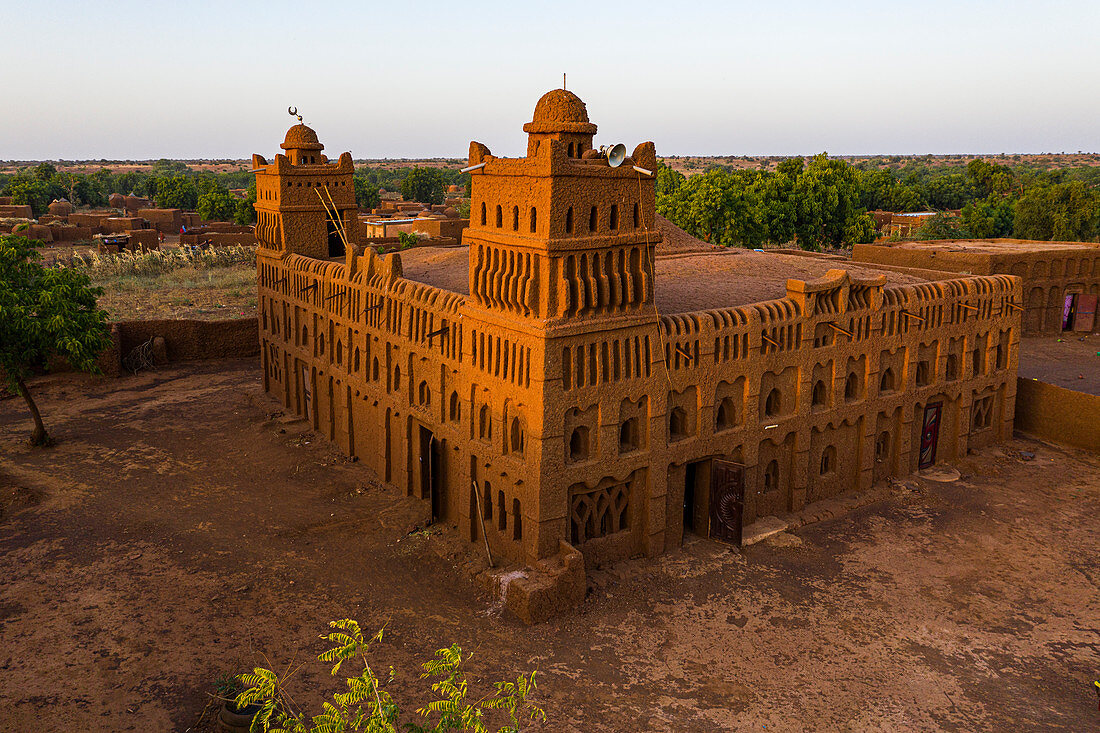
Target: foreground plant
x,y
44,312
369,708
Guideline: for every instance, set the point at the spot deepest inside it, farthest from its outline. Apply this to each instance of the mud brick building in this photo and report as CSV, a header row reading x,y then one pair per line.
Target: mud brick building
x,y
544,401
1061,280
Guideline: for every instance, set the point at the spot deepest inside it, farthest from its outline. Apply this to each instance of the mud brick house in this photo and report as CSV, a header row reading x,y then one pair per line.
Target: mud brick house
x,y
538,398
1061,280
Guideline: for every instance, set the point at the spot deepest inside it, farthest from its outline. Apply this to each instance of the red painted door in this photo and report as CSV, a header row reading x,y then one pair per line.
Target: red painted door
x,y
930,435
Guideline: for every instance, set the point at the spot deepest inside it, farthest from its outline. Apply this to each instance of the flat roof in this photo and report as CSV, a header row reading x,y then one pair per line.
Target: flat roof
x,y
688,277
988,246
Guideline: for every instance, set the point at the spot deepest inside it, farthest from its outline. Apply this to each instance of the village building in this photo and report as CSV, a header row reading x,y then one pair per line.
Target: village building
x,y
533,388
1060,280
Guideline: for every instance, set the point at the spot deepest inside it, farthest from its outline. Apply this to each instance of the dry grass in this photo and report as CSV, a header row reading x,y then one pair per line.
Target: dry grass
x,y
212,283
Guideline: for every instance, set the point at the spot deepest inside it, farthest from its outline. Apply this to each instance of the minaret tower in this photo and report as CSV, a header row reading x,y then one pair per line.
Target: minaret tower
x,y
301,196
560,241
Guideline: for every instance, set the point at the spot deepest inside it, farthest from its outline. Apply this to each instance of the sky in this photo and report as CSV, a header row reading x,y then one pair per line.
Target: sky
x,y
152,79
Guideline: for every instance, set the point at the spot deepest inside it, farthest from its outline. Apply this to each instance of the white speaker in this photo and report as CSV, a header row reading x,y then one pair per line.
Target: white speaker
x,y
615,154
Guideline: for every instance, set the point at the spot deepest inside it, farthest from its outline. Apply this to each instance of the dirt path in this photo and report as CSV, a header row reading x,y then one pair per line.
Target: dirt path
x,y
175,532
1070,360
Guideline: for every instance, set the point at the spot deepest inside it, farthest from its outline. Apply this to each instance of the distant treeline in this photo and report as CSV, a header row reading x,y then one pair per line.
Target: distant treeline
x,y
172,184
824,202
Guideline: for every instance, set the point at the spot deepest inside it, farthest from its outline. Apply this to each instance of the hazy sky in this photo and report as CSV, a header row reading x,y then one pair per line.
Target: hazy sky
x,y
421,79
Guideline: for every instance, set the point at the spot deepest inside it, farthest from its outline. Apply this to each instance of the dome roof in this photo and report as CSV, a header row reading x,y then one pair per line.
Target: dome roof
x,y
301,137
560,110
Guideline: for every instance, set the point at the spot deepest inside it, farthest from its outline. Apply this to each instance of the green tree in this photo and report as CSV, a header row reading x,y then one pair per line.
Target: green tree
x,y
366,193
27,191
1064,212
667,181
827,210
44,312
217,205
246,209
988,218
176,192
368,706
424,185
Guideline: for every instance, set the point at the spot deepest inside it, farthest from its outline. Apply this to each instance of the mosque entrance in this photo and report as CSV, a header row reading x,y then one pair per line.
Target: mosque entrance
x,y
335,243
727,501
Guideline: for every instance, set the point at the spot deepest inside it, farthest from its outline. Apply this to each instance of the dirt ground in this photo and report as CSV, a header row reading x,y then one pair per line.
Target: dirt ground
x,y
180,528
1070,360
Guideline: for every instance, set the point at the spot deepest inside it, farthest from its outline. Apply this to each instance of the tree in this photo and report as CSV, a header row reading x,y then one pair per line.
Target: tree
x,y
366,194
217,205
1065,212
368,706
246,209
989,217
424,185
44,312
176,192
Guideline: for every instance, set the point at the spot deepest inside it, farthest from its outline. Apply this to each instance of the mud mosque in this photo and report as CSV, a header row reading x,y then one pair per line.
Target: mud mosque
x,y
539,401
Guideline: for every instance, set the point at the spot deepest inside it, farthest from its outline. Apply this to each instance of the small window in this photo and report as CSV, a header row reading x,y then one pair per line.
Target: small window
x,y
424,395
922,374
613,218
569,220
517,436
677,423
484,423
456,408
484,220
628,435
886,381
515,218
851,387
773,405
571,150
882,446
534,220
397,378
592,222
487,501
977,362
517,521
1000,357
727,414
983,413
500,217
828,460
356,363
952,367
771,477
502,514
636,212
820,394
321,343
374,370
578,443
339,352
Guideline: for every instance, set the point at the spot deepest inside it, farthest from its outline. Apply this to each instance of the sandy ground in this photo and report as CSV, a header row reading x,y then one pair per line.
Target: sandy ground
x,y
176,531
1070,360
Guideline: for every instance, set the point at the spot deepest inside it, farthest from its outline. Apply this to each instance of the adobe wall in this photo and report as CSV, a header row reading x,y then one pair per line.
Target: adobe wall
x,y
1057,414
16,211
187,339
1049,274
166,221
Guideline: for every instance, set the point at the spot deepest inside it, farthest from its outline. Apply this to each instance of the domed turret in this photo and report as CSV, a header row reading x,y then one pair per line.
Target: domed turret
x,y
560,110
302,146
560,115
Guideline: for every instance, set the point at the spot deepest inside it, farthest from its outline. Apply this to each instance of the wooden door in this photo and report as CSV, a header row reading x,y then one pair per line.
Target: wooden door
x,y
1084,320
930,435
727,501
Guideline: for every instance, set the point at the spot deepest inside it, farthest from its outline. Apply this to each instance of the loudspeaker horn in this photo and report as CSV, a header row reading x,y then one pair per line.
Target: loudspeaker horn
x,y
616,154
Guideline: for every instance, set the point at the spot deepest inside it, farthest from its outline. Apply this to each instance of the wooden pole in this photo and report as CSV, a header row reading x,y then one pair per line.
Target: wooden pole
x,y
481,518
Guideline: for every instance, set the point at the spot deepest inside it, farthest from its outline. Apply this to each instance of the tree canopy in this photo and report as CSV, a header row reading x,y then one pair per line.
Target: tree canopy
x,y
45,312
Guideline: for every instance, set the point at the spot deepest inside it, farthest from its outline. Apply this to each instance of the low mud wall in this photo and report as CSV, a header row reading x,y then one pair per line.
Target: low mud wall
x,y
193,339
1057,414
